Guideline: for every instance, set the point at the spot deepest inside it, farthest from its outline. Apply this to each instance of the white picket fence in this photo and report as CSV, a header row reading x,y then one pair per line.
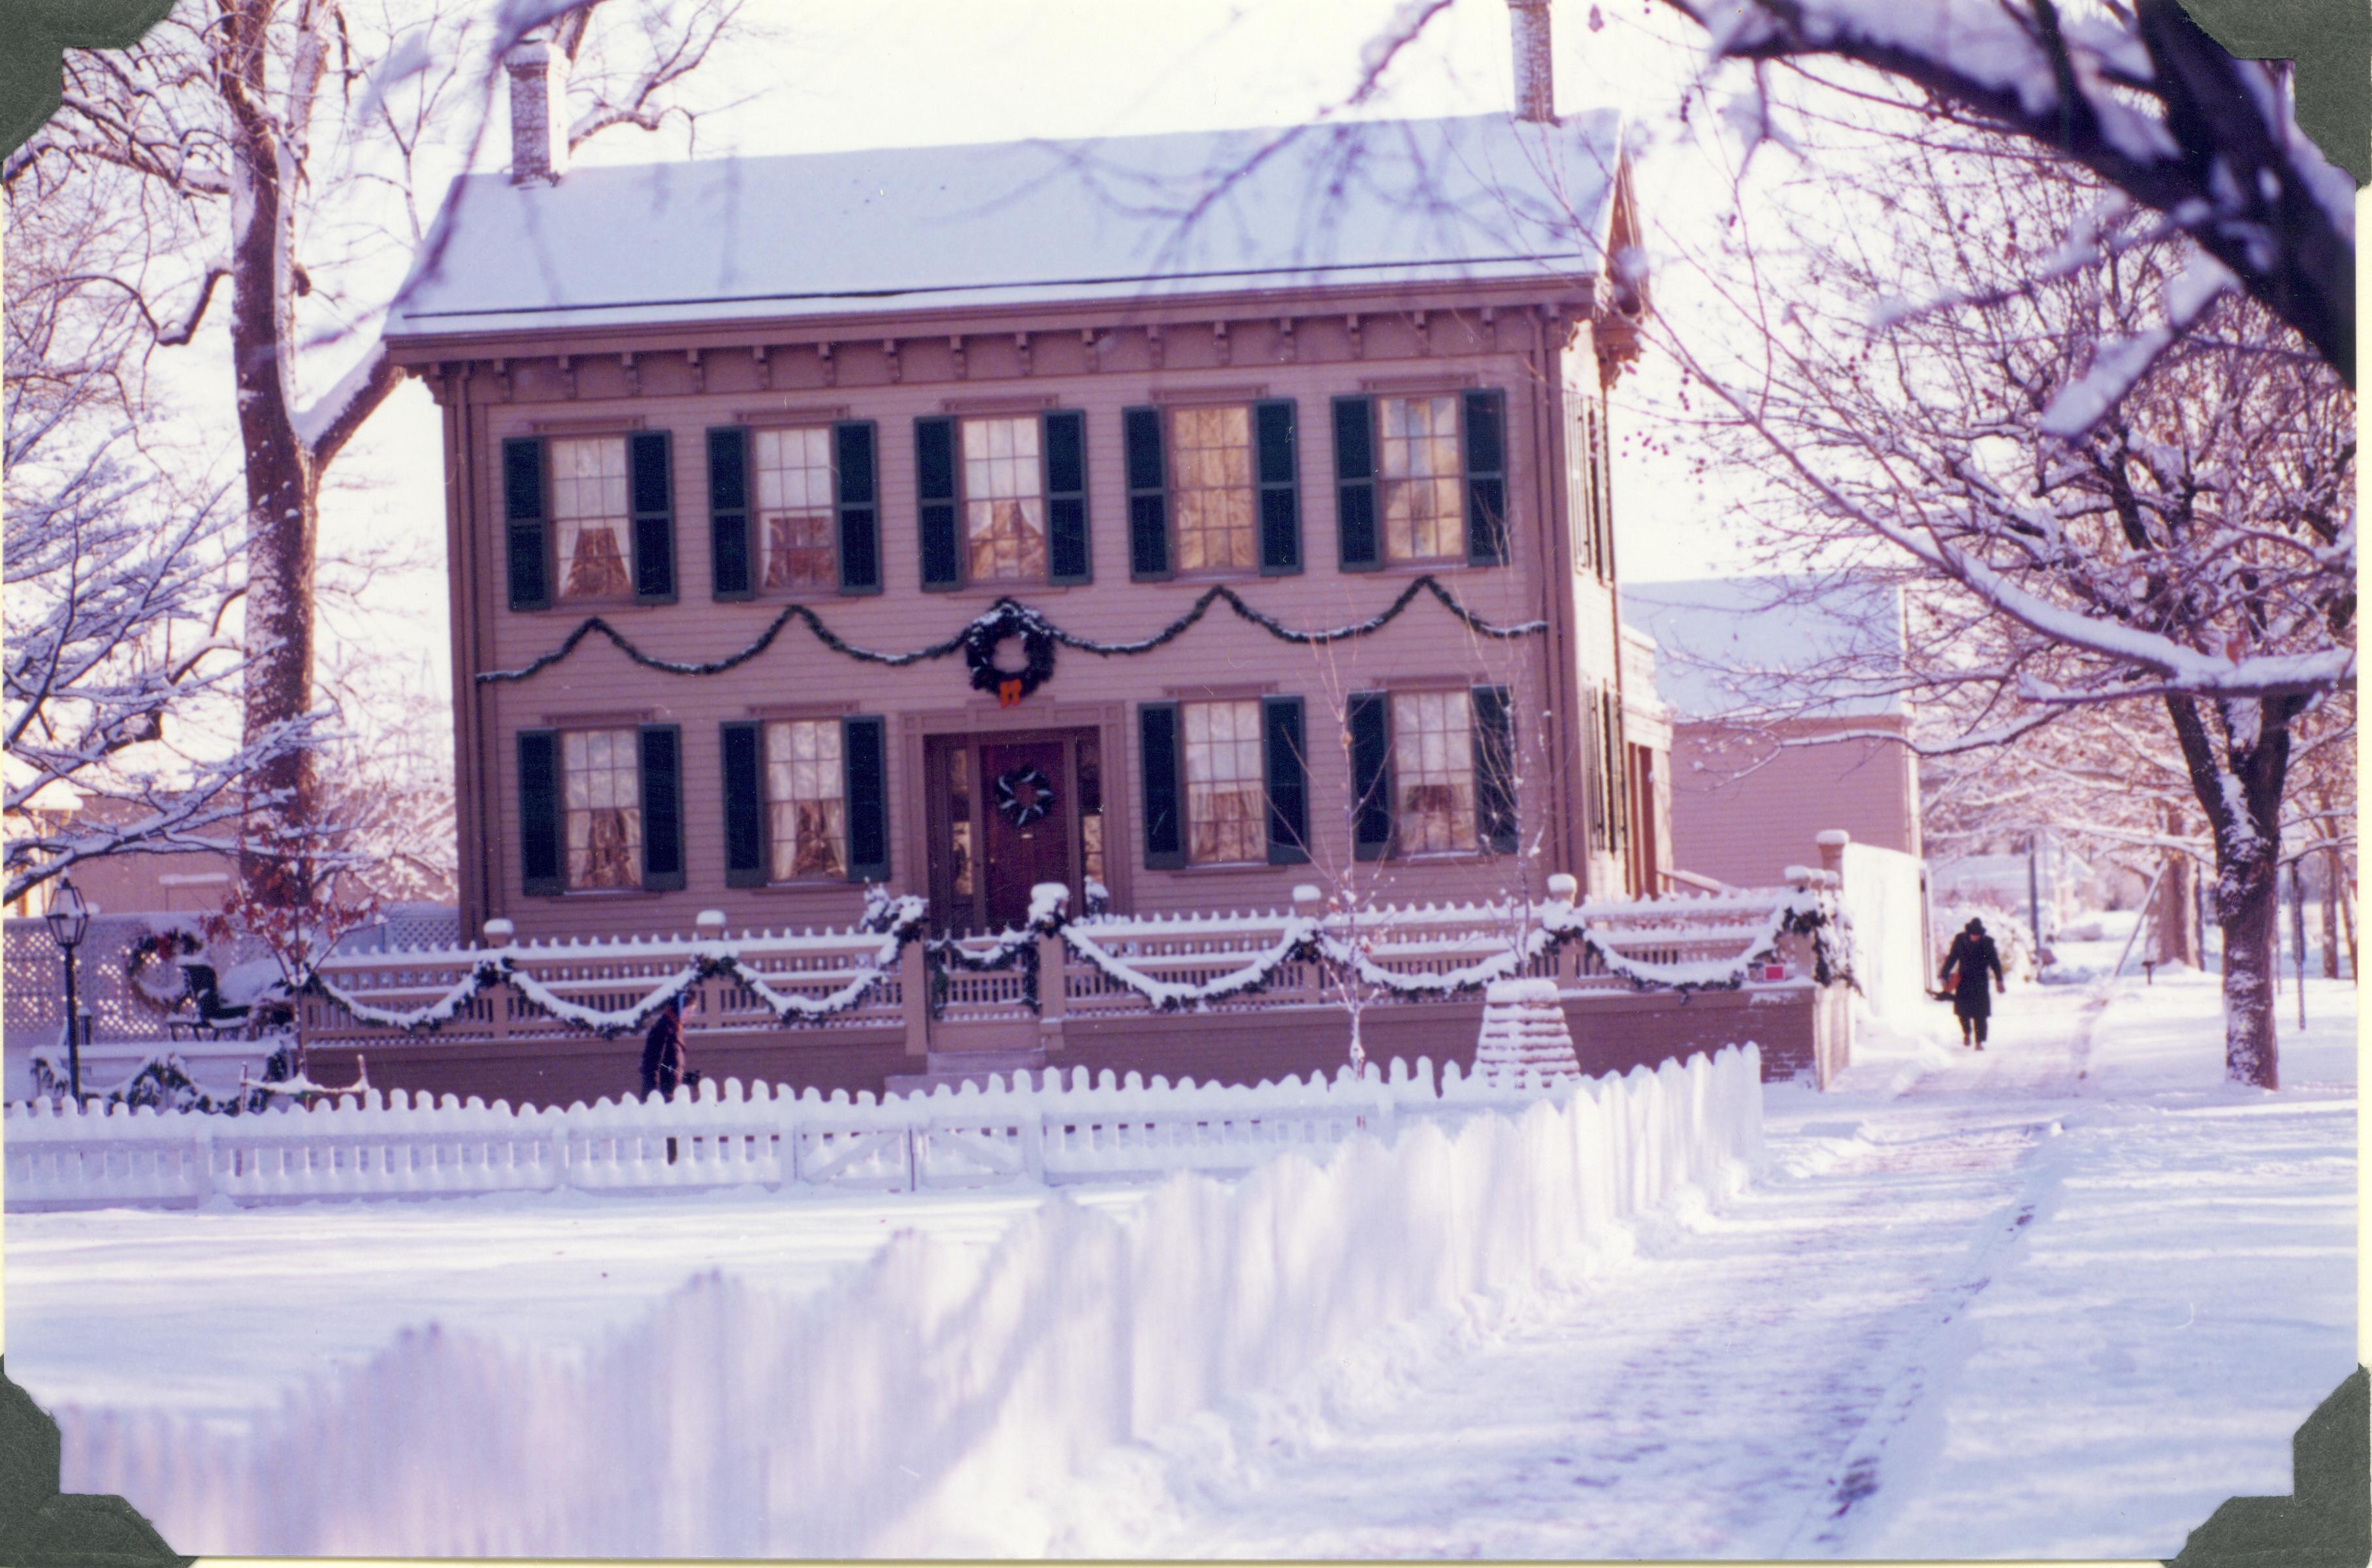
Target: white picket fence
x,y
1011,1133
936,1399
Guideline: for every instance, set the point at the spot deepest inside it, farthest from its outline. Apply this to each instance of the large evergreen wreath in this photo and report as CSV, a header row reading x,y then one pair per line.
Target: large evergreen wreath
x,y
986,636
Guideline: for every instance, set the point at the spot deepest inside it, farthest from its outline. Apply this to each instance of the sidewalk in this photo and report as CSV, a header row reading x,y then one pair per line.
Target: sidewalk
x,y
1950,1321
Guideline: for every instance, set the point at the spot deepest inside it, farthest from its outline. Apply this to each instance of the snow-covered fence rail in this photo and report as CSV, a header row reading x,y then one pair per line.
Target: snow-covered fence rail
x,y
391,1146
939,1398
527,990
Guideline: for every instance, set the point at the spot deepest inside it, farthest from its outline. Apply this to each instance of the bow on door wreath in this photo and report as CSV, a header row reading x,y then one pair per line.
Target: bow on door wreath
x,y
984,636
1024,795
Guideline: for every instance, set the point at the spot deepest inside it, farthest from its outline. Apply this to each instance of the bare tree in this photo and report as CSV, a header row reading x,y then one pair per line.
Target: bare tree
x,y
122,675
288,142
2188,542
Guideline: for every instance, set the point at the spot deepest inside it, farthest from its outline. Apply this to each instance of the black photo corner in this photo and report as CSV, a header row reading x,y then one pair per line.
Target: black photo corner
x,y
2325,1522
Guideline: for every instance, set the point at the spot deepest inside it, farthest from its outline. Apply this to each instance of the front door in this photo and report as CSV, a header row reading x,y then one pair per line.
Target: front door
x,y
1026,825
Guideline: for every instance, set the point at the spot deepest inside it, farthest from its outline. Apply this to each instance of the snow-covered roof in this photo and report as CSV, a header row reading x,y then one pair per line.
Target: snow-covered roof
x,y
1473,198
1730,647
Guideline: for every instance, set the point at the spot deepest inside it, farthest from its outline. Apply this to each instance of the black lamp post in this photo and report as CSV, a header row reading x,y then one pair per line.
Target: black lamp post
x,y
69,918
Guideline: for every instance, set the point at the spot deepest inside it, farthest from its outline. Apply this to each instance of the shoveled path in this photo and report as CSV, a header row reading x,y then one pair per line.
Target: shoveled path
x,y
1728,1393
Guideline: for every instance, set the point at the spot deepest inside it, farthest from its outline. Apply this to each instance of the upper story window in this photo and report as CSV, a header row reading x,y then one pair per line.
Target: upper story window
x,y
1213,489
1002,498
588,517
1211,459
1425,516
1421,479
1004,502
589,504
792,510
795,506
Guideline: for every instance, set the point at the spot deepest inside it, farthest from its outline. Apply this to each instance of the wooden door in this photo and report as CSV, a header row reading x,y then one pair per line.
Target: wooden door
x,y
1028,824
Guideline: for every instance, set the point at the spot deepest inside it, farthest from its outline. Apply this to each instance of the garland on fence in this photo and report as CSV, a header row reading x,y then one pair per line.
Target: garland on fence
x,y
163,1083
1305,939
1010,617
902,923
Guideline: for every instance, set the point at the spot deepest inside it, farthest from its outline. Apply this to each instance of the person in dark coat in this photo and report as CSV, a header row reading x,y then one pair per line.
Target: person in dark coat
x,y
663,1050
1972,957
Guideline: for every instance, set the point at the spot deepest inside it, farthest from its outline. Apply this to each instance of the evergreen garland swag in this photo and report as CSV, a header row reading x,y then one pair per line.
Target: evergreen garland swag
x,y
1010,617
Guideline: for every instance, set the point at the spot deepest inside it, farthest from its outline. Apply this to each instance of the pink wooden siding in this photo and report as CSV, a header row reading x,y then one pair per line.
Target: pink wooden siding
x,y
1014,368
1744,827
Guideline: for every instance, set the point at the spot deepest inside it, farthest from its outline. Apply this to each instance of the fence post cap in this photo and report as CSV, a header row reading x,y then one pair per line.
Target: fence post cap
x,y
708,920
499,932
1829,838
1564,886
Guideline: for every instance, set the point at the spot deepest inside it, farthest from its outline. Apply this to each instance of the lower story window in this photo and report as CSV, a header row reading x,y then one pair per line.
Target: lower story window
x,y
1226,813
1433,765
807,800
603,807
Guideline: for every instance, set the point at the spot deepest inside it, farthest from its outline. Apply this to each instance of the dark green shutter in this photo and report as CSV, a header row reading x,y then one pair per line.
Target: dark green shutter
x,y
1354,484
527,555
1065,446
864,749
1288,776
728,513
1276,465
1148,495
538,808
1593,766
738,748
934,494
1486,478
1616,775
1164,824
651,486
1368,718
860,512
662,748
1602,491
1495,770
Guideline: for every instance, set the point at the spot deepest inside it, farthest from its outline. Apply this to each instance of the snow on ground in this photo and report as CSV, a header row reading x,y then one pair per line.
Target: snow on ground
x,y
2059,1298
225,1313
2056,1300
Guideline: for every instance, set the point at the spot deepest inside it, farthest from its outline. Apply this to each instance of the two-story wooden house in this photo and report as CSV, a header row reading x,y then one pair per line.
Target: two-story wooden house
x,y
960,518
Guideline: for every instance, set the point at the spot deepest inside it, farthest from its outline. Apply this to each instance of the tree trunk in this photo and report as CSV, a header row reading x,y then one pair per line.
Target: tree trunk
x,y
281,492
2238,785
2330,914
2174,933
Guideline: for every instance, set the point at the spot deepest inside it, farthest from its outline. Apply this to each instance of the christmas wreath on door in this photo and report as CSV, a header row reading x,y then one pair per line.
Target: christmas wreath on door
x,y
1023,794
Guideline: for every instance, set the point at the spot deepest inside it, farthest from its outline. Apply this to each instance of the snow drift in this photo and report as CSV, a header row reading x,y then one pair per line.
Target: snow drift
x,y
932,1398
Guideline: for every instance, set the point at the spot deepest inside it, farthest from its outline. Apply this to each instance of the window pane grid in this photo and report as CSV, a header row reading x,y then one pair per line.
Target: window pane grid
x,y
1424,517
795,508
1210,459
807,806
1432,768
589,503
1004,503
600,771
1226,815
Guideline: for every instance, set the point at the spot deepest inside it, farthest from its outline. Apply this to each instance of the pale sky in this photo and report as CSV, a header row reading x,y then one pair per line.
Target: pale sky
x,y
830,75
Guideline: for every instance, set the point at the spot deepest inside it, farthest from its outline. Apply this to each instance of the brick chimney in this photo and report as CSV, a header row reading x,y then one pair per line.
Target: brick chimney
x,y
538,71
1535,74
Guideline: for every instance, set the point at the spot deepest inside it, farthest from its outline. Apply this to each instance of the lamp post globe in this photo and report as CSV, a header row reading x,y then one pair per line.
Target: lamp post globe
x,y
69,921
